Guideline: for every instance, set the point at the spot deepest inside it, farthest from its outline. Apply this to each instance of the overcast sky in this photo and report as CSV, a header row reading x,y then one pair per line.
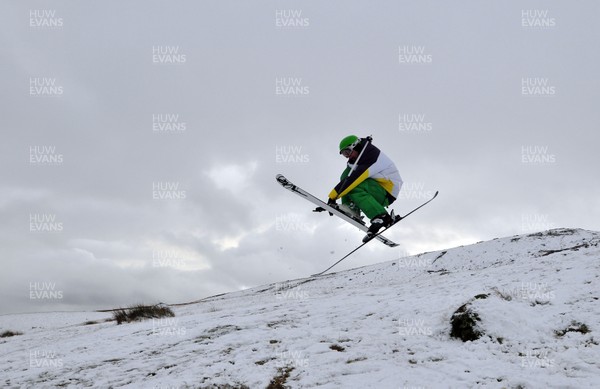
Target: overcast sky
x,y
141,139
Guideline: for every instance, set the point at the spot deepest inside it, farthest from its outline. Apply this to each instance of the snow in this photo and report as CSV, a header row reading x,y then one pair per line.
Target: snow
x,y
381,326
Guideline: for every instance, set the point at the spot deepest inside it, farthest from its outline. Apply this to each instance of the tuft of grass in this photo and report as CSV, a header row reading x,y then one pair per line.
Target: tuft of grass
x,y
263,361
141,312
464,324
464,321
574,327
278,382
337,347
8,334
356,360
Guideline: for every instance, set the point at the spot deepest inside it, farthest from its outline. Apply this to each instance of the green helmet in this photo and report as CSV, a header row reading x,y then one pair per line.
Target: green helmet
x,y
349,142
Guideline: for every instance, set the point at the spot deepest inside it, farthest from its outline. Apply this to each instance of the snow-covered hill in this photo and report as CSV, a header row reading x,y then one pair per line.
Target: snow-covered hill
x,y
384,326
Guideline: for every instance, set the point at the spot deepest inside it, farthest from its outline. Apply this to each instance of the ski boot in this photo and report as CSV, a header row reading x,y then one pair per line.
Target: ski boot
x,y
377,223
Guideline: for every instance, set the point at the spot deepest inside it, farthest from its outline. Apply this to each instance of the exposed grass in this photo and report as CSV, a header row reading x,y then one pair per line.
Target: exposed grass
x,y
464,324
263,361
7,334
574,327
216,332
141,312
278,382
356,359
337,347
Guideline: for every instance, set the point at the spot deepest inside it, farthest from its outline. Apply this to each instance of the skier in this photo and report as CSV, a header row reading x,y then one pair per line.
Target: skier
x,y
370,183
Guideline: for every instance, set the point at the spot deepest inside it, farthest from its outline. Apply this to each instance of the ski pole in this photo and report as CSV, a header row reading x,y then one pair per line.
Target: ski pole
x,y
357,159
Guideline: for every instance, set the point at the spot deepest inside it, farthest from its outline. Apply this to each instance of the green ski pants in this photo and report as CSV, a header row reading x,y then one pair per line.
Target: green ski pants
x,y
369,197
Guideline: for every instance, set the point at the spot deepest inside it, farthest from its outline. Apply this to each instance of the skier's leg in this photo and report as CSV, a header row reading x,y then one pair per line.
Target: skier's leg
x,y
370,197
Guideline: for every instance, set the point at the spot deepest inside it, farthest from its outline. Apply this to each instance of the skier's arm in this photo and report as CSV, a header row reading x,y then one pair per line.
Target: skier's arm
x,y
360,173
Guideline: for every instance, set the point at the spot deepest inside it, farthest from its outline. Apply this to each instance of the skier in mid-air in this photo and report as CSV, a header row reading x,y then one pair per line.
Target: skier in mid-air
x,y
370,183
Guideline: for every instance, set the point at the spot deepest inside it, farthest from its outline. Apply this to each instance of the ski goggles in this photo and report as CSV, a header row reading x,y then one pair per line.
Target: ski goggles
x,y
346,152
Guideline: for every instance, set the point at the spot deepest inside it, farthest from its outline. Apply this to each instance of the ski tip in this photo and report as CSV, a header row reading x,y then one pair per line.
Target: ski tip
x,y
281,179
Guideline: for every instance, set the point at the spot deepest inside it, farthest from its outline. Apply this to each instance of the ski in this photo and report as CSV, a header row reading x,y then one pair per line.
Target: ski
x,y
352,220
396,220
